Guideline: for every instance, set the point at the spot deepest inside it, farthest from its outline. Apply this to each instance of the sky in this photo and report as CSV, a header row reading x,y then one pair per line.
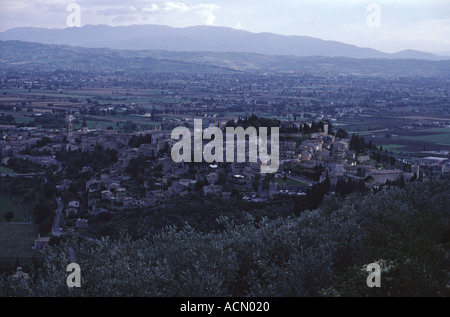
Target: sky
x,y
386,25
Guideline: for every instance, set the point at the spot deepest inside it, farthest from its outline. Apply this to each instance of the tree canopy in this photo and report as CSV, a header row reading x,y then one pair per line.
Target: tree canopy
x,y
321,252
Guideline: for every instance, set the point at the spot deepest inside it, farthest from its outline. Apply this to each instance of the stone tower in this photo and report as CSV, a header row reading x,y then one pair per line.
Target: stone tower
x,y
69,123
325,128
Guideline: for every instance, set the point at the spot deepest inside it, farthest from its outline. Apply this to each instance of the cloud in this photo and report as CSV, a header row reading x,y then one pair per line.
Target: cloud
x,y
203,10
174,13
206,11
151,8
15,6
165,12
176,6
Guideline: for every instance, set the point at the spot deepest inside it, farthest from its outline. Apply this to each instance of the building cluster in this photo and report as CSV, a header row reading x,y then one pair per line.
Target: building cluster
x,y
114,189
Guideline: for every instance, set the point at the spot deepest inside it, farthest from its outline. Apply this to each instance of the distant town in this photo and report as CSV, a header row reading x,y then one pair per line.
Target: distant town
x,y
106,138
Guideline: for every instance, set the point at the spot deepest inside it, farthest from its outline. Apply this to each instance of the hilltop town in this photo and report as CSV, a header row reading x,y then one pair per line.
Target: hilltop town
x,y
137,170
96,147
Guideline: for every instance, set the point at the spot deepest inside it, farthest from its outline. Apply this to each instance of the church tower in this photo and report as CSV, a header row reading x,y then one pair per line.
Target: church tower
x,y
69,123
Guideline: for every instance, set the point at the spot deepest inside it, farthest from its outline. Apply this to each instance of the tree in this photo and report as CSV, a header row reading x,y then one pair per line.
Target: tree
x,y
320,252
137,165
221,179
358,144
46,226
49,189
137,141
255,182
360,172
9,216
129,126
234,193
44,209
342,134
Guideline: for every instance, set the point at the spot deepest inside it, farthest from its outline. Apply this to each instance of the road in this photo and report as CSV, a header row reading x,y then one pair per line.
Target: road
x,y
56,230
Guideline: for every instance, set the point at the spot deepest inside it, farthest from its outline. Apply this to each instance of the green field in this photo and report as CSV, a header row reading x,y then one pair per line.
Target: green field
x,y
288,182
7,205
438,130
393,147
16,244
22,119
5,170
17,240
26,208
442,139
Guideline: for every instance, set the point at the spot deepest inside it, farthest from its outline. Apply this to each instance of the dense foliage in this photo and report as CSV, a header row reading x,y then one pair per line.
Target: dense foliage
x,y
8,119
256,122
36,193
342,134
23,166
138,140
97,159
320,252
358,144
50,121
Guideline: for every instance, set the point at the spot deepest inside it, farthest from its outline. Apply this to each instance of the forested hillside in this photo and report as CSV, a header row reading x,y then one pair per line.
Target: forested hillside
x,y
319,253
16,55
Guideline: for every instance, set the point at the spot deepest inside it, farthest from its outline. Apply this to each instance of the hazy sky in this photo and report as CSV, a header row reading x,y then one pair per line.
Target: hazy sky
x,y
387,25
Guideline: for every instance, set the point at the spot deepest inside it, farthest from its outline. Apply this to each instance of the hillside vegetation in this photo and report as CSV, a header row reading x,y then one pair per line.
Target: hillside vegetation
x,y
35,56
319,253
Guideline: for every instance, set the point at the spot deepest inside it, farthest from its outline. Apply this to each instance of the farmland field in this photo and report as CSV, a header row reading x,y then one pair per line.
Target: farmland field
x,y
7,205
381,127
5,170
393,147
441,139
288,181
23,119
17,240
26,208
16,244
431,139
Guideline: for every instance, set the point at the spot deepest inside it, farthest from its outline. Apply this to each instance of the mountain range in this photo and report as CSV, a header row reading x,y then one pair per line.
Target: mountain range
x,y
200,39
30,56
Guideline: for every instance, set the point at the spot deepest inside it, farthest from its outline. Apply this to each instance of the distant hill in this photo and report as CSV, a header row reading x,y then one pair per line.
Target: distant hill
x,y
199,39
35,56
